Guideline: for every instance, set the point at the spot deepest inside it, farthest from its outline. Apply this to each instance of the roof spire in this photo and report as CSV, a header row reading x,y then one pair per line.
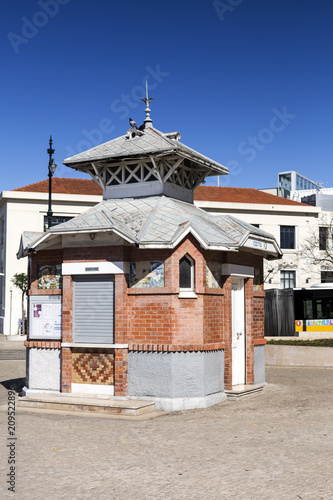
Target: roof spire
x,y
148,121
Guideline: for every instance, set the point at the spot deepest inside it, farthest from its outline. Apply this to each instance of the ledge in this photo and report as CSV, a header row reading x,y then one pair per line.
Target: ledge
x,y
259,342
48,344
176,347
157,290
45,291
187,295
94,346
169,291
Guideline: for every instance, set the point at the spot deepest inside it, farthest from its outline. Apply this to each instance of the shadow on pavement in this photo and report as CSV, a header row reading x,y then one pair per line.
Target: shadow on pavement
x,y
14,384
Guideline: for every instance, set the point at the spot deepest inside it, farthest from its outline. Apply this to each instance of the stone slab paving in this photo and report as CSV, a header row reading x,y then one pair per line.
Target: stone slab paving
x,y
275,445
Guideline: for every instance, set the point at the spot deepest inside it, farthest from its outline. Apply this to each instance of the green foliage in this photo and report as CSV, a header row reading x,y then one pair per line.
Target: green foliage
x,y
20,280
310,343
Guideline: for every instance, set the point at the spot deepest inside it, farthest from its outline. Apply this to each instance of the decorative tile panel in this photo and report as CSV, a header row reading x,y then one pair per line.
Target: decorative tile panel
x,y
92,366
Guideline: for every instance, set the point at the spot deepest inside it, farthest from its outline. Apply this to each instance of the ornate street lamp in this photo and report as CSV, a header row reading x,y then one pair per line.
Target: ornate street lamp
x,y
52,169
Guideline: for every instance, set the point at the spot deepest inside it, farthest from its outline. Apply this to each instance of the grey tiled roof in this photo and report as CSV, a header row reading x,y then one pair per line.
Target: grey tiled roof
x,y
159,221
27,240
149,142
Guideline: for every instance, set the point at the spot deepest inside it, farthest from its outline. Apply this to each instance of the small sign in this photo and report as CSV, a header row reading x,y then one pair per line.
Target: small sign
x,y
260,244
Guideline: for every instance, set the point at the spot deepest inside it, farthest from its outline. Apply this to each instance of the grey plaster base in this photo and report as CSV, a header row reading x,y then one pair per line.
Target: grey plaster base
x,y
259,364
43,369
172,375
179,404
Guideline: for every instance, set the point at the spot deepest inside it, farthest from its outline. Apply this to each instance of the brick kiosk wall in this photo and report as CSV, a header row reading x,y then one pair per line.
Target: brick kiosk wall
x,y
156,317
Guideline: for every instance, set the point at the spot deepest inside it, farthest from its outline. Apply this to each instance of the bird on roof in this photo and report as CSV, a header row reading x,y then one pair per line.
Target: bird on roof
x,y
132,123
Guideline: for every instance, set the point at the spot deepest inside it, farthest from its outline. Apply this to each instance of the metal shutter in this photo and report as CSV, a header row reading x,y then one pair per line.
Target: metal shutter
x,y
94,309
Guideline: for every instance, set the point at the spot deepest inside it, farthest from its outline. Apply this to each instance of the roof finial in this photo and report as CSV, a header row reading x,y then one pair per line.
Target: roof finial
x,y
148,121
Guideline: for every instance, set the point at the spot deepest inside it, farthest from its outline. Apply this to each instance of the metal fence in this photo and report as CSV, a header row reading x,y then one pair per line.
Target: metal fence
x,y
279,313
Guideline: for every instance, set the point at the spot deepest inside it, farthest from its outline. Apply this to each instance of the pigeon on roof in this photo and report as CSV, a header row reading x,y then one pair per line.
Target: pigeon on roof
x,y
132,123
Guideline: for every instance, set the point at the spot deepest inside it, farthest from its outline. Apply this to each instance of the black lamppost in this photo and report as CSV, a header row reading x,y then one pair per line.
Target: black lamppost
x,y
52,169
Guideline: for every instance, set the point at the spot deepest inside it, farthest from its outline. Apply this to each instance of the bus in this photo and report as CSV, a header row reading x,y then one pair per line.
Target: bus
x,y
314,308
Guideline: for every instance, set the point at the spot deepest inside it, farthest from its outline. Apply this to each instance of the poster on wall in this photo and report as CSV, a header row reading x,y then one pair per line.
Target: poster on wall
x,y
45,317
49,276
212,275
147,274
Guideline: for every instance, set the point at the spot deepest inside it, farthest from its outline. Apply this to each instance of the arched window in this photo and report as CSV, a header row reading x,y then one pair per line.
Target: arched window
x,y
186,273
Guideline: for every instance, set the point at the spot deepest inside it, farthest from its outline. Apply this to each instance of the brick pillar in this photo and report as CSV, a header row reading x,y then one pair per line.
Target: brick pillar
x,y
249,304
227,333
120,372
67,309
121,310
66,369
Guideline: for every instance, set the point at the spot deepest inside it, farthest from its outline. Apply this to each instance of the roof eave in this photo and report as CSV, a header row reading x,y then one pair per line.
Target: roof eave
x,y
214,168
267,247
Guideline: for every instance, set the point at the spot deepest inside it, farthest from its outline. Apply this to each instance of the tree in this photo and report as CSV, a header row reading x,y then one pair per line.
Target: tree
x,y
318,246
20,280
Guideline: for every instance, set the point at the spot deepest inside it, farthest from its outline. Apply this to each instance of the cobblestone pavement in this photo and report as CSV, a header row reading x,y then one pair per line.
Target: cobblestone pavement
x,y
12,354
275,445
11,349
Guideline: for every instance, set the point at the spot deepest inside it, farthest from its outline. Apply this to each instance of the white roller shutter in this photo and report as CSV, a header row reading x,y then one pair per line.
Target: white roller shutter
x,y
94,309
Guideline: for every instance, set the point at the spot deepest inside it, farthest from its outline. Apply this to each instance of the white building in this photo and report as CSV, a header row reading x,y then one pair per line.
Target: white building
x,y
25,209
289,221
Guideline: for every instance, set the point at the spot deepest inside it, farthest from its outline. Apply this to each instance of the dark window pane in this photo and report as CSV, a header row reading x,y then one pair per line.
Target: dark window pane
x,y
287,236
288,279
55,220
327,276
323,233
185,273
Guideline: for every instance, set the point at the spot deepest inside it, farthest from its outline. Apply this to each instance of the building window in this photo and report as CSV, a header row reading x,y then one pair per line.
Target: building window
x,y
323,234
326,276
55,220
288,279
287,237
186,273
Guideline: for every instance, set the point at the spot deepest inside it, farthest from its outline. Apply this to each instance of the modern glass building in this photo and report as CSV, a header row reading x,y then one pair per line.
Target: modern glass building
x,y
293,181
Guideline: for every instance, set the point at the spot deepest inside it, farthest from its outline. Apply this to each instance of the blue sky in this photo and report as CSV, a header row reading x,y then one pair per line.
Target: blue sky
x,y
246,82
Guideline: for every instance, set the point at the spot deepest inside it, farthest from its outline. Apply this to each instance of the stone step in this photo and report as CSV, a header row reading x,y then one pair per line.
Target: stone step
x,y
127,407
244,390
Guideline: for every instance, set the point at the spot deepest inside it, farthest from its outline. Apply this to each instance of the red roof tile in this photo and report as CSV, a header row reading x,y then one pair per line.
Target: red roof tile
x,y
64,185
240,195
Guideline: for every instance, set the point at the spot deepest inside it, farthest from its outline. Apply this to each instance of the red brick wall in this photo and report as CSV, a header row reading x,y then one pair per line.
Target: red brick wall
x,y
213,318
249,330
150,319
227,333
157,316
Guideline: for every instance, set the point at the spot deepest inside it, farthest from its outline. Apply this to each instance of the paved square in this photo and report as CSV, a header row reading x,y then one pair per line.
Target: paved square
x,y
276,445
